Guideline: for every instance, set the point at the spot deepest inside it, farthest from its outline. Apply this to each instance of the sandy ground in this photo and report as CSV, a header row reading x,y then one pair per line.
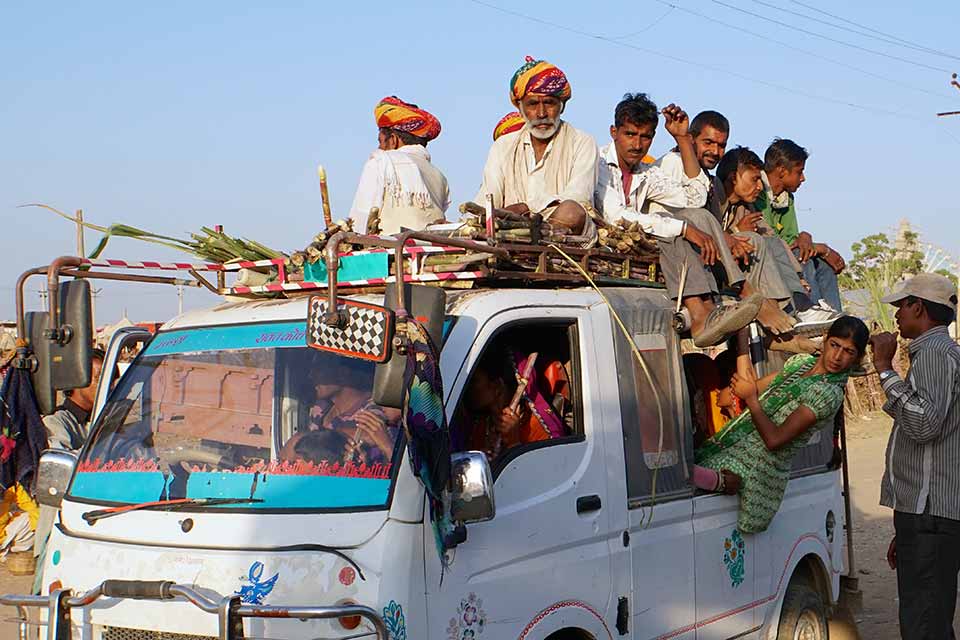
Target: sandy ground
x,y
873,527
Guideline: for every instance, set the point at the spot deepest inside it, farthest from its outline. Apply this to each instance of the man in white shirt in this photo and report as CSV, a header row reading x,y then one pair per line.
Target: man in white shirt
x,y
625,184
767,262
548,166
398,178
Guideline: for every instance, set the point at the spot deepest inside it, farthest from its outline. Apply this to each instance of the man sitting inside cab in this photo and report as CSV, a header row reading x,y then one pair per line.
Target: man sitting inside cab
x,y
486,420
548,166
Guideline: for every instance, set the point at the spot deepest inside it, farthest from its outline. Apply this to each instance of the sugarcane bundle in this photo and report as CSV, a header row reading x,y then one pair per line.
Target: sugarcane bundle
x,y
314,252
209,245
216,246
625,237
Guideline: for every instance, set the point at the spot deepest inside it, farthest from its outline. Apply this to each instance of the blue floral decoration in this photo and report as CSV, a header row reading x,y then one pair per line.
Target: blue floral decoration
x,y
734,553
396,623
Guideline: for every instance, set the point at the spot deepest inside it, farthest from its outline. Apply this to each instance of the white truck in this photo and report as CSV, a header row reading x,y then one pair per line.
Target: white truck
x,y
188,515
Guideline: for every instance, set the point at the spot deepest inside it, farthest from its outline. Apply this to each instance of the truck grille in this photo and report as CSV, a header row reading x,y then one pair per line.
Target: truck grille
x,y
123,633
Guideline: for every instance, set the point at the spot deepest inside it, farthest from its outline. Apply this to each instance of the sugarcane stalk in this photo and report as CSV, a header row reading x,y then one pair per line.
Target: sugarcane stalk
x,y
325,196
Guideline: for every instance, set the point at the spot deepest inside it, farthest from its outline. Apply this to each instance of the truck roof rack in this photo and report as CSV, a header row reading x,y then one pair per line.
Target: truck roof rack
x,y
370,262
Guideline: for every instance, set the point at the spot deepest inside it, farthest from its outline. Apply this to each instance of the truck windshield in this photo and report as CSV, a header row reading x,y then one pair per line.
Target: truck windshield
x,y
244,411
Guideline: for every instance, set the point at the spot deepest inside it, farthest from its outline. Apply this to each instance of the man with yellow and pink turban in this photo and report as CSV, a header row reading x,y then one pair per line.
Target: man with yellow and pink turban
x,y
399,178
546,166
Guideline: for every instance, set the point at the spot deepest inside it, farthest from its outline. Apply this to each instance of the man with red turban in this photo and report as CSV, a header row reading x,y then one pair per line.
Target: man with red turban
x,y
547,166
398,178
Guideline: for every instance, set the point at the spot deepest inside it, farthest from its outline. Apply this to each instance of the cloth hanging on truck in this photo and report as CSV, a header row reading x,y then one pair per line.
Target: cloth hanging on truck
x,y
425,423
22,435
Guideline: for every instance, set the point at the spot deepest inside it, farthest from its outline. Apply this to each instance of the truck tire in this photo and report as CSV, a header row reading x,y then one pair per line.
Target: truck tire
x,y
804,616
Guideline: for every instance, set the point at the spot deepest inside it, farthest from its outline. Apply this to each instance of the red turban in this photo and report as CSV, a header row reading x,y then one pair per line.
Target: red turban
x,y
394,113
509,123
541,78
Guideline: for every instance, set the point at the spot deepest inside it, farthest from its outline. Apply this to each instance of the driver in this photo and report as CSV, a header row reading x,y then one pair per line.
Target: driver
x,y
343,405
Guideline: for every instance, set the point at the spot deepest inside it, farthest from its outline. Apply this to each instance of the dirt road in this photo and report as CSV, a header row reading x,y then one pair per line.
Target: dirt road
x,y
873,526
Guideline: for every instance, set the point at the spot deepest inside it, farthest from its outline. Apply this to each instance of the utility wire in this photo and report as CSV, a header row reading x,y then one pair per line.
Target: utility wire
x,y
807,51
699,65
865,27
885,39
830,39
646,28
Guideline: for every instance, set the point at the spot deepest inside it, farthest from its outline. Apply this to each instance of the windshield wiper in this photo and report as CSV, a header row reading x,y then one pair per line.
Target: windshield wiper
x,y
163,505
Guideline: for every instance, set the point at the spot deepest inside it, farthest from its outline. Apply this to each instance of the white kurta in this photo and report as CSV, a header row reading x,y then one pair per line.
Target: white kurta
x,y
693,191
409,191
648,183
568,173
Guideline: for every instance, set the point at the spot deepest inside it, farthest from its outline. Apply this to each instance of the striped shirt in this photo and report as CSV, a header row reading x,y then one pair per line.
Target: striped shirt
x,y
923,455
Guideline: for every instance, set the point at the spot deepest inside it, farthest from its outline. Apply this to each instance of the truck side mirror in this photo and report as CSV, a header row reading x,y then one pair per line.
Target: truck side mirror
x,y
429,306
53,476
35,323
71,360
472,488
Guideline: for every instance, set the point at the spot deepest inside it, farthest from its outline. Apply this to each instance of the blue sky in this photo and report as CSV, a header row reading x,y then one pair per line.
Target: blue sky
x,y
169,116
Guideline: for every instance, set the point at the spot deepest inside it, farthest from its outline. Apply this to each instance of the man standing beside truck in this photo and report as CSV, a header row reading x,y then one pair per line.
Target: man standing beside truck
x,y
922,483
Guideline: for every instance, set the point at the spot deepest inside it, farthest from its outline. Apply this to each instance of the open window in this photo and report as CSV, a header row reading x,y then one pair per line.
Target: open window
x,y
656,440
522,394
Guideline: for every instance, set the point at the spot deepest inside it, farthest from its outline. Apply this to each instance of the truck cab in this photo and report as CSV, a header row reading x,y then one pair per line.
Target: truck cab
x,y
597,533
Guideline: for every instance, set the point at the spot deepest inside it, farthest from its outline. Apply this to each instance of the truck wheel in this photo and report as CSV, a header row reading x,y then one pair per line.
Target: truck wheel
x,y
804,616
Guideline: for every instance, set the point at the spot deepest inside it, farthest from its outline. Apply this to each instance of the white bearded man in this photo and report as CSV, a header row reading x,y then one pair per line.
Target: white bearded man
x,y
548,166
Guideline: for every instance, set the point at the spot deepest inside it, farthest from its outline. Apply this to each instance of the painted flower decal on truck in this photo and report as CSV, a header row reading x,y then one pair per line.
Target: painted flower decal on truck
x,y
734,550
469,621
396,623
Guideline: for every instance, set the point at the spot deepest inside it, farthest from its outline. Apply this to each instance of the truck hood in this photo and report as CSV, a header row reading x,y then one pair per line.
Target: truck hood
x,y
225,529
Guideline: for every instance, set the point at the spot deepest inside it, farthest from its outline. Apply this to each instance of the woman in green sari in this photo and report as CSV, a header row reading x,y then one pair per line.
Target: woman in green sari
x,y
784,410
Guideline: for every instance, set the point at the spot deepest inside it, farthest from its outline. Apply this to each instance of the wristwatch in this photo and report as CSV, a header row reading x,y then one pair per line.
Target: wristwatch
x,y
886,374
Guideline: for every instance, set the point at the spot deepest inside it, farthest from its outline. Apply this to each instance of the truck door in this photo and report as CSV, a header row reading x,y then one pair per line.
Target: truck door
x,y
543,562
659,495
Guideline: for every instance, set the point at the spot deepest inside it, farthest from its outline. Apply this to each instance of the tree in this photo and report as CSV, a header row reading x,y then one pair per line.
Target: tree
x,y
877,267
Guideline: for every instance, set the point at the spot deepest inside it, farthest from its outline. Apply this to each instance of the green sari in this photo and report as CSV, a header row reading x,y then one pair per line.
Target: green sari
x,y
739,448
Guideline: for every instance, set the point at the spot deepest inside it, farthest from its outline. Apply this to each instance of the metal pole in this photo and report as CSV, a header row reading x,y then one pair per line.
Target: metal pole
x,y
179,299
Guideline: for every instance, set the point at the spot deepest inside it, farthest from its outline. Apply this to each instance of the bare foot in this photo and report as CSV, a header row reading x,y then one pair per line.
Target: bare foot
x,y
773,318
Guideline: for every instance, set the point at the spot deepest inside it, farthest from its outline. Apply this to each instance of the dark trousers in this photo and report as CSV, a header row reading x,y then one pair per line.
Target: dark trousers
x,y
928,559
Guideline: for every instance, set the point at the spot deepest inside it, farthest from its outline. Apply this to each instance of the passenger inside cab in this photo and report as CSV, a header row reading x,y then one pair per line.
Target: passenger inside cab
x,y
517,395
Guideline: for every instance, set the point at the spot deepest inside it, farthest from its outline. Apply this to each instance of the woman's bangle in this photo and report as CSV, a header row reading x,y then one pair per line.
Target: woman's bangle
x,y
721,484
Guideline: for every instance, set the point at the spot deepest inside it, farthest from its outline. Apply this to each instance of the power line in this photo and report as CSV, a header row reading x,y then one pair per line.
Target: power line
x,y
830,39
888,40
699,65
863,26
646,28
807,51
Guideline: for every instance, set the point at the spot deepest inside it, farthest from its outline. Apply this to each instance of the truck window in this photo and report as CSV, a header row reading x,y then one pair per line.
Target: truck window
x,y
654,435
504,413
222,412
